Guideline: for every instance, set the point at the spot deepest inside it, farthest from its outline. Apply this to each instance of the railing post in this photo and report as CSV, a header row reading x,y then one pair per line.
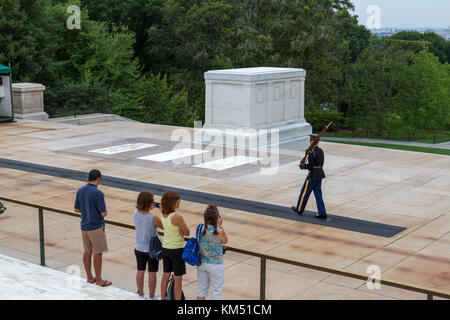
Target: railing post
x,y
41,236
262,283
429,296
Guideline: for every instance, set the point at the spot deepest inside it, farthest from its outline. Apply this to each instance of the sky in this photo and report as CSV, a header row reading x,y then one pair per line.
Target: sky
x,y
406,13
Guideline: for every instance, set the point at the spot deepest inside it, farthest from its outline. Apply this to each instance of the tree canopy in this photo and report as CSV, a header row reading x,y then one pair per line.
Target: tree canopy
x,y
152,55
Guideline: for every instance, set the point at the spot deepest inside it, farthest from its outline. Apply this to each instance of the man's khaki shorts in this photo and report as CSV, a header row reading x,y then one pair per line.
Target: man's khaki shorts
x,y
95,241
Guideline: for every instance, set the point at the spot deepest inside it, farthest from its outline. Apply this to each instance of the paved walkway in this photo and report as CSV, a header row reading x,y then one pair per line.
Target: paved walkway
x,y
443,145
23,280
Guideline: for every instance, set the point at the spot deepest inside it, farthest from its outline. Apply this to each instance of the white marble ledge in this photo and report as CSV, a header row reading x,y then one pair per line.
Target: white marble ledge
x,y
20,280
255,74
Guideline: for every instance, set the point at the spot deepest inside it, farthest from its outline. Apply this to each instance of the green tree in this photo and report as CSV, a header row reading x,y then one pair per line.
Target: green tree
x,y
185,38
120,41
423,95
26,42
94,54
305,34
373,81
138,15
436,44
41,48
161,103
358,38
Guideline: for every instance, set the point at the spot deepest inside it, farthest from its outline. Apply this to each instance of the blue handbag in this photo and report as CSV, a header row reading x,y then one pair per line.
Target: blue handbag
x,y
191,252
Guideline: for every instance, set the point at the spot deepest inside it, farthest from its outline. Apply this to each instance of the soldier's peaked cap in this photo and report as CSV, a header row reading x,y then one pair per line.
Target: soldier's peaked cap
x,y
314,136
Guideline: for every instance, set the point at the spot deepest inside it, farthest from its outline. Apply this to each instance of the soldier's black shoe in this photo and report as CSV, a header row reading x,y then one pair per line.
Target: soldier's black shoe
x,y
320,216
295,210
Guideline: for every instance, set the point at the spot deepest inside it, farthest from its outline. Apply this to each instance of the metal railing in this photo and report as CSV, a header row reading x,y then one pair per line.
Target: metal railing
x,y
264,257
73,101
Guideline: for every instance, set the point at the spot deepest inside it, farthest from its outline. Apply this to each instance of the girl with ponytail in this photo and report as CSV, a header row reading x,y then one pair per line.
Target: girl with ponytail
x,y
210,273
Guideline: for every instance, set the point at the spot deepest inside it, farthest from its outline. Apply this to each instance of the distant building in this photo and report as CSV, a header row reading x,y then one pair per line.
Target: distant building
x,y
387,32
384,32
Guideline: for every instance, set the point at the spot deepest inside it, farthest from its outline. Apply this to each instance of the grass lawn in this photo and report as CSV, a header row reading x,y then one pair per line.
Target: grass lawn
x,y
394,128
421,136
396,147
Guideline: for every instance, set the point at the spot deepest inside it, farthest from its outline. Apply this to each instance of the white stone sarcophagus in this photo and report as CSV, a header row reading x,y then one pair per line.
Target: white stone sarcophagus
x,y
252,100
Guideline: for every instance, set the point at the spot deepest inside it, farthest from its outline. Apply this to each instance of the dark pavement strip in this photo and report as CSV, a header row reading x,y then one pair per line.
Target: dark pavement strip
x,y
333,221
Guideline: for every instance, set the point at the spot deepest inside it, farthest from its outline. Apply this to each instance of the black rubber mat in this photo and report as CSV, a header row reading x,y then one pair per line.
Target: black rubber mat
x,y
333,221
6,119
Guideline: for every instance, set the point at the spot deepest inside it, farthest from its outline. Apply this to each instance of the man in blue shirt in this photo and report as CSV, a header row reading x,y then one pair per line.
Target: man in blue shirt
x,y
90,202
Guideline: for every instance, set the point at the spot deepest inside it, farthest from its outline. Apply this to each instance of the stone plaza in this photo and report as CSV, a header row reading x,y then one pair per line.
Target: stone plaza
x,y
378,185
365,187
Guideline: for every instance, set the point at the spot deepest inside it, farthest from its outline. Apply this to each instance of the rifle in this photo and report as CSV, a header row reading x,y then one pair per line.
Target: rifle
x,y
312,145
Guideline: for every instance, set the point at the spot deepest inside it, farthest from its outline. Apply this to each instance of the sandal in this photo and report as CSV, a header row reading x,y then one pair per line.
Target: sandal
x,y
93,281
105,283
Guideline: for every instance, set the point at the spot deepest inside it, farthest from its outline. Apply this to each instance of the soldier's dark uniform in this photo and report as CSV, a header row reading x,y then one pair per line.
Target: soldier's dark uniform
x,y
313,182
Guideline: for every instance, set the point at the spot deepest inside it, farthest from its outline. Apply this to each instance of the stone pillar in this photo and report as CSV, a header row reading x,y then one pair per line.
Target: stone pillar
x,y
28,101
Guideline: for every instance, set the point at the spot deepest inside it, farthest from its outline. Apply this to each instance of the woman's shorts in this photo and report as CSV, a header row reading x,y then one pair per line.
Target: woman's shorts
x,y
173,261
142,259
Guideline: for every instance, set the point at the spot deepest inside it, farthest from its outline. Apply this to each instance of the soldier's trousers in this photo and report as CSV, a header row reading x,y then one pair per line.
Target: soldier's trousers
x,y
308,187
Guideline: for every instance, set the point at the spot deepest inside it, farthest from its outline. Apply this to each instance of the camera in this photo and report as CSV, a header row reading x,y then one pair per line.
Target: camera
x,y
156,204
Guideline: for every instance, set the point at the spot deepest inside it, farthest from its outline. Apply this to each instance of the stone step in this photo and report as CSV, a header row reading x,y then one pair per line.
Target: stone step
x,y
27,281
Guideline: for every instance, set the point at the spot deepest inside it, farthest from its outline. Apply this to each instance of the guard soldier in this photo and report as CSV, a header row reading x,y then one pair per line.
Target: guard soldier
x,y
313,182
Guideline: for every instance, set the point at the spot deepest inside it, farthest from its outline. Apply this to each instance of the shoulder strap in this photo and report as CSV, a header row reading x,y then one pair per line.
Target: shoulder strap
x,y
170,216
199,231
155,228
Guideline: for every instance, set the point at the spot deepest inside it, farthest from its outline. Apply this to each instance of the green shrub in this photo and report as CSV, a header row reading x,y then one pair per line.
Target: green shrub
x,y
71,101
320,118
160,103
